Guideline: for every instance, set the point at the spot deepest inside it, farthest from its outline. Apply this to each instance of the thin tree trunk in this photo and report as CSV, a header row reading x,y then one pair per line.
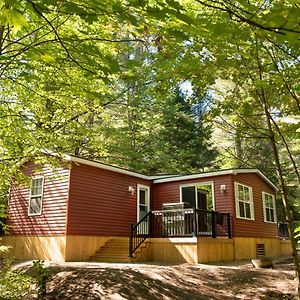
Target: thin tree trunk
x,y
1,38
282,188
279,173
287,148
238,146
284,195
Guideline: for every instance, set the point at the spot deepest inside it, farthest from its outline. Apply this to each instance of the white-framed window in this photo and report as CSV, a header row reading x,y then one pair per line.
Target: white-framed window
x,y
269,208
36,196
244,201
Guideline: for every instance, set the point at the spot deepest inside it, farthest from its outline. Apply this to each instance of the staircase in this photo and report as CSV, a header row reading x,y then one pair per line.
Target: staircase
x,y
117,250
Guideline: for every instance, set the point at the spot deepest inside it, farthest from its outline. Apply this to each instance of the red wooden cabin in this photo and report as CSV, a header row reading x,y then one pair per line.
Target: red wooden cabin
x,y
85,210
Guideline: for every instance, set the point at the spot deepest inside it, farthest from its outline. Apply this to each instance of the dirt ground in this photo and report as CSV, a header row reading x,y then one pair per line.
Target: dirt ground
x,y
157,281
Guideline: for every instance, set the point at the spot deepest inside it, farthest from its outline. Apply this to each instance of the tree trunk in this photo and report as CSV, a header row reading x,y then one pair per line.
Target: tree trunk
x,y
238,146
282,184
282,189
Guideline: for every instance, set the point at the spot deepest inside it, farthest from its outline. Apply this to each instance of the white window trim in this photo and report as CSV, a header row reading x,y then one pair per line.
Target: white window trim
x,y
144,187
199,184
264,207
237,207
42,194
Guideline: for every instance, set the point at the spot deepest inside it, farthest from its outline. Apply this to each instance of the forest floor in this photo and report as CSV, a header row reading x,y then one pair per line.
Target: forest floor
x,y
235,280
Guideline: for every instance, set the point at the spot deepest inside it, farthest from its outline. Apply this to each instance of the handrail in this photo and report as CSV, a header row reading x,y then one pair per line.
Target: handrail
x,y
139,233
172,210
141,220
190,222
179,223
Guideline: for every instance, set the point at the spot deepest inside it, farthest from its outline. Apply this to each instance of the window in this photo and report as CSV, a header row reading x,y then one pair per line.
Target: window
x,y
36,195
269,208
244,201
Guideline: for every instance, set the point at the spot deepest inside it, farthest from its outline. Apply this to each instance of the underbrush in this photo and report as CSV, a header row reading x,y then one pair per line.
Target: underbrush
x,y
22,283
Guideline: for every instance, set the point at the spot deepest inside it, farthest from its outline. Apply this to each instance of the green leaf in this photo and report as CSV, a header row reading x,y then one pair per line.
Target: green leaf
x,y
13,18
185,18
47,58
178,34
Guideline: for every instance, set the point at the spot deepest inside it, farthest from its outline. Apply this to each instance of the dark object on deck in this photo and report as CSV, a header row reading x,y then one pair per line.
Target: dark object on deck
x,y
283,231
265,262
220,219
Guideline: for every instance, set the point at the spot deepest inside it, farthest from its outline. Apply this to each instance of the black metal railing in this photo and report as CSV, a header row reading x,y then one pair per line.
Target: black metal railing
x,y
190,222
139,232
176,222
187,222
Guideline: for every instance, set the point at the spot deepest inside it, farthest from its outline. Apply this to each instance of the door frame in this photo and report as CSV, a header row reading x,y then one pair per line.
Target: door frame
x,y
196,184
142,187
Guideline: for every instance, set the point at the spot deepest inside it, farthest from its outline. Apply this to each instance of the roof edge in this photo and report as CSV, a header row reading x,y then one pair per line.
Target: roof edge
x,y
161,178
217,173
105,167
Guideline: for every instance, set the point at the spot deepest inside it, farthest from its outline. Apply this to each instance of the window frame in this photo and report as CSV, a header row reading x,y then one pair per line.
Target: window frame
x,y
264,207
37,195
237,200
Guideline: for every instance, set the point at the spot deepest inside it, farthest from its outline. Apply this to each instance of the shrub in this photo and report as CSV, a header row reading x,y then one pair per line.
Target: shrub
x,y
41,274
14,284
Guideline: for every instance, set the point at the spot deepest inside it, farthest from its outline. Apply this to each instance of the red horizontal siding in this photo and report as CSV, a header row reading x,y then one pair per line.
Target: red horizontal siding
x,y
52,221
169,192
99,201
225,202
257,227
100,204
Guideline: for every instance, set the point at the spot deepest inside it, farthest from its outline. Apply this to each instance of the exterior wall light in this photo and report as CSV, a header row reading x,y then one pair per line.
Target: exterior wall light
x,y
131,190
223,188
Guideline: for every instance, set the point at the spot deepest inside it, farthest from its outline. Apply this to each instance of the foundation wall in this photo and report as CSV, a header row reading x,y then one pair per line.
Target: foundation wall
x,y
80,248
35,247
245,248
215,250
170,250
285,248
173,250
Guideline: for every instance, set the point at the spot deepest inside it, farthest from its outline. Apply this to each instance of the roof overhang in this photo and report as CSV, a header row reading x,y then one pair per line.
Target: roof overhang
x,y
217,173
162,178
91,163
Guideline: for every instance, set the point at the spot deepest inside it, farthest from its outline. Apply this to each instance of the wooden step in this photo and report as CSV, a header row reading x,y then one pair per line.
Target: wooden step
x,y
116,250
116,259
112,252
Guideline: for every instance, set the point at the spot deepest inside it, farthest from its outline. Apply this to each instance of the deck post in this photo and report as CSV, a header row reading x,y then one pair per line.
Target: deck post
x,y
228,226
213,224
195,229
150,224
130,240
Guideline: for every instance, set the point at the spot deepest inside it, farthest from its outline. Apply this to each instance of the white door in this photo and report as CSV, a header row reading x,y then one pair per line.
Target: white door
x,y
143,207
